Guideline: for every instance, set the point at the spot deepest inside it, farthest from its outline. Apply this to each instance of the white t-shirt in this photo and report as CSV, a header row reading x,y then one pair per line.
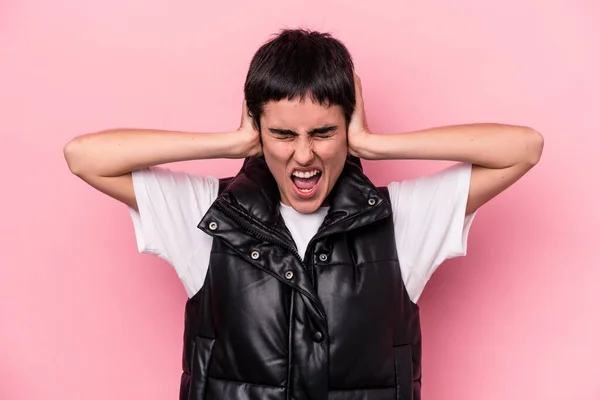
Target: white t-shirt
x,y
429,222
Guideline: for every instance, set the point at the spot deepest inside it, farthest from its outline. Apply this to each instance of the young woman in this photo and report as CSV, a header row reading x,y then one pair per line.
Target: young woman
x,y
302,275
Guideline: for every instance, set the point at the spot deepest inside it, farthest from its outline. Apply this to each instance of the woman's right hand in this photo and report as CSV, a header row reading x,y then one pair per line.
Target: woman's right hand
x,y
249,134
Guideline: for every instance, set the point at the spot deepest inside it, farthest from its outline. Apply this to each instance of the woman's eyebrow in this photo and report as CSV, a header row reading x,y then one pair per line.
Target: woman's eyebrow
x,y
283,131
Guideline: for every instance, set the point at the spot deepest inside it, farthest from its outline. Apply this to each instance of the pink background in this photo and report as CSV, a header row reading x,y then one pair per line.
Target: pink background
x,y
83,316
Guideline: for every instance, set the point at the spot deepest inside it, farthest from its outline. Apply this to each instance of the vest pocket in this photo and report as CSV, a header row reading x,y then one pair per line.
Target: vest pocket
x,y
201,353
403,365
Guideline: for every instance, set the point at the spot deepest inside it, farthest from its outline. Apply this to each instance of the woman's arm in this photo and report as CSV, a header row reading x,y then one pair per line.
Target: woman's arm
x,y
106,159
500,154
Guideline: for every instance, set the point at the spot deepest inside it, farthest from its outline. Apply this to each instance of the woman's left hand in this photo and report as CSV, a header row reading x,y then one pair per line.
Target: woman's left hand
x,y
358,131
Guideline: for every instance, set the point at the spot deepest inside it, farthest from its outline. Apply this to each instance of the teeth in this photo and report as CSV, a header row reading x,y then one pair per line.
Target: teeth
x,y
305,175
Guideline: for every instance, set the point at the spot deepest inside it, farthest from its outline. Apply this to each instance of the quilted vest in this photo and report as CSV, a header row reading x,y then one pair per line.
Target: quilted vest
x,y
269,325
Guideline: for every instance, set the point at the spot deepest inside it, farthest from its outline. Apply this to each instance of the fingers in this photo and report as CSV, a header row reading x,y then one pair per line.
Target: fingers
x,y
359,118
357,87
357,84
244,107
245,113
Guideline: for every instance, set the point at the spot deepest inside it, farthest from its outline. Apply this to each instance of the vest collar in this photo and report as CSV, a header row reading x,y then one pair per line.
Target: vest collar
x,y
246,214
254,197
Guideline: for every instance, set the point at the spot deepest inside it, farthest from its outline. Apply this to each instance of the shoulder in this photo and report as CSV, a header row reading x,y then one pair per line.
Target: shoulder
x,y
451,177
162,181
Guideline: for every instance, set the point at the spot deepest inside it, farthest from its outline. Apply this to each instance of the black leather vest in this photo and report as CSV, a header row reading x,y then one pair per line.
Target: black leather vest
x,y
267,325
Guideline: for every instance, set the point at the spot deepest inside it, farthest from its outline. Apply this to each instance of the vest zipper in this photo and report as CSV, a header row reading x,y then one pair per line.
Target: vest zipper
x,y
311,266
244,224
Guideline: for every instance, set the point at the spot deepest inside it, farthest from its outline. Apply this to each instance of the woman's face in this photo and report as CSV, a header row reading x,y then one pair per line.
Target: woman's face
x,y
305,147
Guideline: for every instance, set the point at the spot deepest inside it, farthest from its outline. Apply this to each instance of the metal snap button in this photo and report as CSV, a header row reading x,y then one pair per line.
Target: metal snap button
x,y
288,275
372,202
323,257
318,337
213,226
255,254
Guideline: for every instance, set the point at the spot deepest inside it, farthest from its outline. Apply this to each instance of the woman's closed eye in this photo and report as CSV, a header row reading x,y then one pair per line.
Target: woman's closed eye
x,y
323,135
283,134
324,132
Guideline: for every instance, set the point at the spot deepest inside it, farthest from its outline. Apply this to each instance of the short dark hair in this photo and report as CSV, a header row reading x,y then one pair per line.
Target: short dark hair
x,y
299,63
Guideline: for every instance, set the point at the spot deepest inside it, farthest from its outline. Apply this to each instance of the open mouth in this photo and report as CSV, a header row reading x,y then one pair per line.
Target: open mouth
x,y
306,182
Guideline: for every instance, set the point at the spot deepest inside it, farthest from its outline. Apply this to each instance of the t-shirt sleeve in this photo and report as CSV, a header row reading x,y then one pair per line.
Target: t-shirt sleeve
x,y
170,206
430,223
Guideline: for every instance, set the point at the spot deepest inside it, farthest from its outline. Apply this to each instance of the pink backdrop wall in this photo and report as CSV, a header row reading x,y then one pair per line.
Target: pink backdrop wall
x,y
83,316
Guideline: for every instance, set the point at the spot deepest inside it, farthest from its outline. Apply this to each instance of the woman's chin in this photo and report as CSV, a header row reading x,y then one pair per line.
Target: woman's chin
x,y
305,207
306,204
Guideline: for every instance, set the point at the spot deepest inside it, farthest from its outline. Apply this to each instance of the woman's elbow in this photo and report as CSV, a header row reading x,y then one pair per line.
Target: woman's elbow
x,y
534,146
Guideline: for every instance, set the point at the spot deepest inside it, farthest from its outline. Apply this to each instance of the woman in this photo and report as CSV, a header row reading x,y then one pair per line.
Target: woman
x,y
303,276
